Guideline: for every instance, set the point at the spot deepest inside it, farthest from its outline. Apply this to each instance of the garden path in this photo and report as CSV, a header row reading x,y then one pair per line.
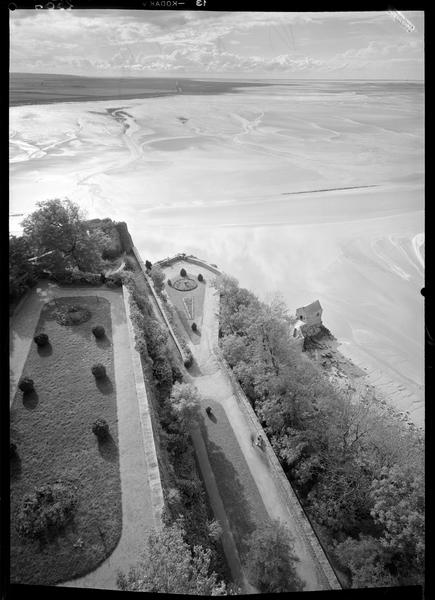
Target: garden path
x,y
137,514
214,385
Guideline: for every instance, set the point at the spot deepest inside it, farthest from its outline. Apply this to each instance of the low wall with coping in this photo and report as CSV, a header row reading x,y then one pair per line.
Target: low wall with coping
x,y
300,518
159,305
191,259
145,421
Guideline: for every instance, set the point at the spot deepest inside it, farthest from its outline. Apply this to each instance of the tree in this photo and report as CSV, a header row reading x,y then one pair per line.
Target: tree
x,y
59,229
366,559
270,560
21,270
185,400
234,349
170,566
158,278
148,265
399,502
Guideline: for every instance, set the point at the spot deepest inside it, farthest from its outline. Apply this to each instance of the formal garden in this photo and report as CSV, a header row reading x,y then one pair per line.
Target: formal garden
x,y
186,292
65,482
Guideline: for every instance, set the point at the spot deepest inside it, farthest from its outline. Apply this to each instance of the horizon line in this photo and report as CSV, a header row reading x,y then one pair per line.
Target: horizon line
x,y
193,76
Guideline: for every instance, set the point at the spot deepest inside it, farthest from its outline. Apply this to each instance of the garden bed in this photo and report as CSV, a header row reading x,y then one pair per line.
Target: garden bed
x,y
189,305
52,429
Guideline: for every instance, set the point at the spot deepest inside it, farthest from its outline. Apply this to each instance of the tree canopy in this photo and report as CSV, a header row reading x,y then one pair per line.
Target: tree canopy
x,y
170,566
270,560
185,400
357,468
57,233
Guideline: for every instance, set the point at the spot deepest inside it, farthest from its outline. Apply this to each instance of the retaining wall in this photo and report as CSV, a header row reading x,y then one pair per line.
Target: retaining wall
x,y
145,421
159,305
300,518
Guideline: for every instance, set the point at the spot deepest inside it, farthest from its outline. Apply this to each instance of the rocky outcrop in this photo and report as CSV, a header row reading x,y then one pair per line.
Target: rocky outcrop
x,y
314,334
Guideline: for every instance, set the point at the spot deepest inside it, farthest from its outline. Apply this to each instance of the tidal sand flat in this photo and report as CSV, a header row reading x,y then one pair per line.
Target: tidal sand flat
x,y
314,189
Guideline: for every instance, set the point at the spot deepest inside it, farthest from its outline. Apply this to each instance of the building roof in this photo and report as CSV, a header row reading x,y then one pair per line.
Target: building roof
x,y
310,308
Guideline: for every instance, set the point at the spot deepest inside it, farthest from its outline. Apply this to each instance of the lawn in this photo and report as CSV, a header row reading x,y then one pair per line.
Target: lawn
x,y
242,501
52,429
189,305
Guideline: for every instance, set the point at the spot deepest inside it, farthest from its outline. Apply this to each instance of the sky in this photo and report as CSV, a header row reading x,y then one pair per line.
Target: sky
x,y
351,45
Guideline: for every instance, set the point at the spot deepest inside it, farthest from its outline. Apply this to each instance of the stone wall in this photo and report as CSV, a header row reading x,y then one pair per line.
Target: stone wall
x,y
145,415
159,305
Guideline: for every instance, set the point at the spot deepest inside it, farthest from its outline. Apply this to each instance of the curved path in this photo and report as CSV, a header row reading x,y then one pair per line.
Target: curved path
x,y
137,513
215,387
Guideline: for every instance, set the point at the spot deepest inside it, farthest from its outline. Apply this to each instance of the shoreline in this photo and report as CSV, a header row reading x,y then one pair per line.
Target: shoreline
x,y
348,371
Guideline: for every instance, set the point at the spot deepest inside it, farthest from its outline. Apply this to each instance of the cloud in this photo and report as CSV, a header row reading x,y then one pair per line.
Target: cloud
x,y
140,42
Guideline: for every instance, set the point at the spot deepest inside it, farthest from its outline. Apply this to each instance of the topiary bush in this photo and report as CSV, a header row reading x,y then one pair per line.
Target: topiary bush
x,y
194,327
100,428
26,385
49,507
41,339
98,331
183,273
169,282
200,277
98,371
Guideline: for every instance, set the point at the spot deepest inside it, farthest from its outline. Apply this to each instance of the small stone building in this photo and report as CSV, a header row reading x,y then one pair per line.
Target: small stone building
x,y
311,314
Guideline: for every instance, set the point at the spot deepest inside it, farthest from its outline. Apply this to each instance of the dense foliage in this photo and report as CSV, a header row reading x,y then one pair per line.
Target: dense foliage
x,y
58,242
170,566
58,234
47,509
22,274
270,561
355,466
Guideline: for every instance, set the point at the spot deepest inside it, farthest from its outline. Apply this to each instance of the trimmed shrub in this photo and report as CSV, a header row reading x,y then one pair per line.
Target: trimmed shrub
x,y
200,277
100,428
26,385
98,371
49,507
169,283
98,331
183,273
194,327
41,339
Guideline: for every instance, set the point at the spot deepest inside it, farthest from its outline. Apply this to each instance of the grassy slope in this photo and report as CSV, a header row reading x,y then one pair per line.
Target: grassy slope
x,y
54,438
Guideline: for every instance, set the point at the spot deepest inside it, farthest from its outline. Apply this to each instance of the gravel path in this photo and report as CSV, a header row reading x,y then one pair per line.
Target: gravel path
x,y
137,517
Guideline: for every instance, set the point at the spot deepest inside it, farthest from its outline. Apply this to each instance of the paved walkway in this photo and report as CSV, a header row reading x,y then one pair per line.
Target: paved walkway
x,y
137,513
214,386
